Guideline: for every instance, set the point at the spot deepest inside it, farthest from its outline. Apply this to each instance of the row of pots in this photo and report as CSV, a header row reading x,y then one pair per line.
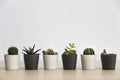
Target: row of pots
x,y
50,61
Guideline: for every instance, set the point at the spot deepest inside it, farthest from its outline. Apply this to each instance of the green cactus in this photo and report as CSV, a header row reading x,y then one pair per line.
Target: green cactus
x,y
13,51
69,50
30,50
49,52
104,52
88,51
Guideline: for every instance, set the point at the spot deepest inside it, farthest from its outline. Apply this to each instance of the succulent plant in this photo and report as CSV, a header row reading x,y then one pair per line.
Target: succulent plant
x,y
104,52
88,51
69,50
13,51
30,50
49,52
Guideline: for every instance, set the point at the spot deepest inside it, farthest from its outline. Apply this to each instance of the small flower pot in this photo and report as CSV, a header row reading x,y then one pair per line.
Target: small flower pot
x,y
50,61
11,62
31,61
69,62
88,62
108,61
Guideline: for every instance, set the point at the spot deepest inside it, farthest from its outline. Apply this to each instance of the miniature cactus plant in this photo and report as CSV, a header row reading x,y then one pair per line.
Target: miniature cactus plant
x,y
104,52
88,51
30,50
13,51
49,52
69,50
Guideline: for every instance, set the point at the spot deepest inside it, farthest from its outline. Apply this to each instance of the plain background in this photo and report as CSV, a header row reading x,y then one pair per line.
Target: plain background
x,y
55,23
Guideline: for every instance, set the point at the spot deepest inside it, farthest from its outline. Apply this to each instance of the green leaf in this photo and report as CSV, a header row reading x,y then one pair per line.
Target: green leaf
x,y
36,51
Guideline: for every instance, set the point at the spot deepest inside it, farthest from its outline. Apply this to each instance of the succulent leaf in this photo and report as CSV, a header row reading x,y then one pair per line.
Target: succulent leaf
x,y
104,52
69,50
30,50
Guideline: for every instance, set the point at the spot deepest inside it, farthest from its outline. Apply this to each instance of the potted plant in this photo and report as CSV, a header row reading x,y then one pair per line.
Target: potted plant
x,y
69,57
88,59
50,59
108,60
12,59
31,58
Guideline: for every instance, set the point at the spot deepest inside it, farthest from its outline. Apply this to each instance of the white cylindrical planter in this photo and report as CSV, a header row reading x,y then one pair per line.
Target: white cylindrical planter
x,y
11,62
50,61
88,61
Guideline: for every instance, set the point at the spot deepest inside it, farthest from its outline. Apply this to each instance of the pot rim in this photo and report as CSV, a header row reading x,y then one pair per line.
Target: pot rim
x,y
109,54
50,55
70,55
87,55
31,54
11,55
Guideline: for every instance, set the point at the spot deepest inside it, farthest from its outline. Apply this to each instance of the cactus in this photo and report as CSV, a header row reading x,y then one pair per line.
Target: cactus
x,y
104,52
88,51
13,51
69,50
30,50
49,52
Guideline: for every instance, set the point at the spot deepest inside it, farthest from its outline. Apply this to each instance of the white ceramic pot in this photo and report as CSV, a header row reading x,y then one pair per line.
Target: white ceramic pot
x,y
88,61
11,62
50,61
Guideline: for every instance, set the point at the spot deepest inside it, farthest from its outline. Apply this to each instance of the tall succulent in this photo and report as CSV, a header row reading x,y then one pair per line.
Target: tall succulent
x,y
30,50
70,49
49,52
88,51
12,51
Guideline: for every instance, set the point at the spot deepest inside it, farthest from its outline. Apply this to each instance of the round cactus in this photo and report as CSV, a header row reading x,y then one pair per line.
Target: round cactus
x,y
49,52
88,51
13,51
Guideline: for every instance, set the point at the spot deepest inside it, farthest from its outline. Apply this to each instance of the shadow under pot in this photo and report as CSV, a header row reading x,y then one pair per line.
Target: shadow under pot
x,y
69,62
31,61
108,61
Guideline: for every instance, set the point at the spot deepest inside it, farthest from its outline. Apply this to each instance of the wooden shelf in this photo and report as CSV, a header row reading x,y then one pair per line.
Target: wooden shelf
x,y
59,74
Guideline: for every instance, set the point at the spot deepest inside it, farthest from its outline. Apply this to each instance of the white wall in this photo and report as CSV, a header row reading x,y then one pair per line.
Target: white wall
x,y
54,23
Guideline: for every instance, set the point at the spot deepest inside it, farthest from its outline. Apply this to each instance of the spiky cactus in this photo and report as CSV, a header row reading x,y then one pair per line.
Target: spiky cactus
x,y
13,51
49,52
30,50
104,52
69,50
88,51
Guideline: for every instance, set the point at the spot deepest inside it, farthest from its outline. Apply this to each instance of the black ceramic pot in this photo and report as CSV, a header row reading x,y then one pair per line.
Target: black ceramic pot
x,y
69,62
108,61
31,61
